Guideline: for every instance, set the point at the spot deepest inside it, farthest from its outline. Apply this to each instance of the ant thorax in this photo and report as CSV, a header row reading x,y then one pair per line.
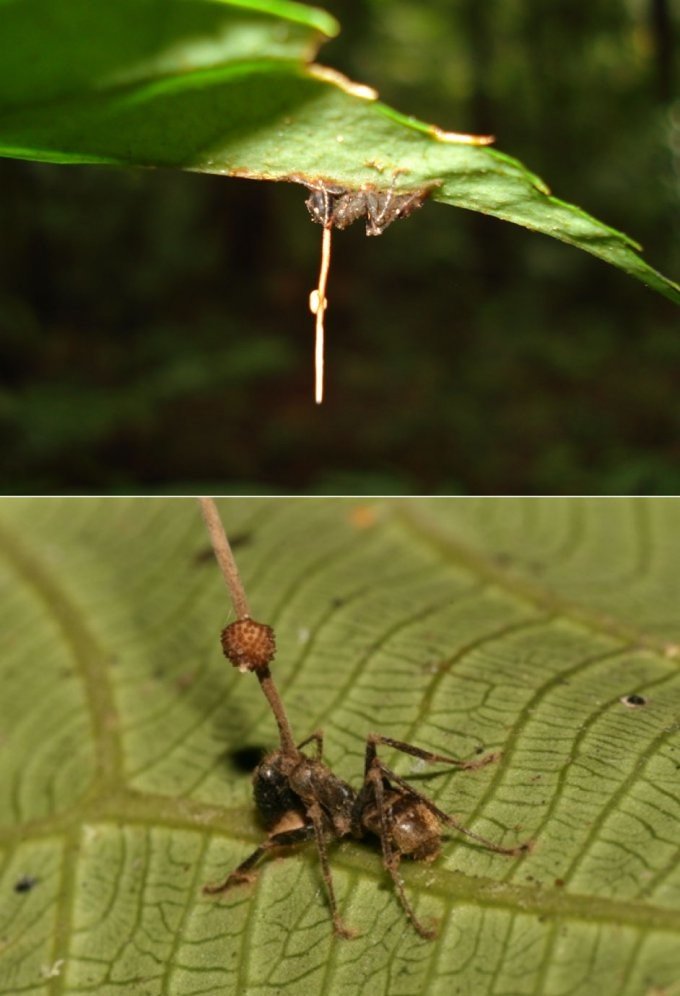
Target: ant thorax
x,y
286,783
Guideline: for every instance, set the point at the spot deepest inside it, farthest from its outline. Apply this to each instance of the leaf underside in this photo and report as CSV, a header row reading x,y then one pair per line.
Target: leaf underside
x,y
518,626
228,88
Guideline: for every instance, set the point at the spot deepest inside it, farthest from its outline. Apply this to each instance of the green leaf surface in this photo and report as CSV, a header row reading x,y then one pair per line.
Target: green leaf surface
x,y
456,624
227,88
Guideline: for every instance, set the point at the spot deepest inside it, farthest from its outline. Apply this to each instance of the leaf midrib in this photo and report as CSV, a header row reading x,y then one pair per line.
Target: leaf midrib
x,y
148,810
145,88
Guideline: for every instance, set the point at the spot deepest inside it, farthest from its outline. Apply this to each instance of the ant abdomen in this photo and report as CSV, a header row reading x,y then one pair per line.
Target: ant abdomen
x,y
412,829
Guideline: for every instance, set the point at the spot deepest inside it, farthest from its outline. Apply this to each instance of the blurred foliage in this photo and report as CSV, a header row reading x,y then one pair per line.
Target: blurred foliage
x,y
154,330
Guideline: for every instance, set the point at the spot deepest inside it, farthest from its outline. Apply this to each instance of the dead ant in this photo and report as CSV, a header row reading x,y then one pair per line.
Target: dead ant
x,y
299,798
333,206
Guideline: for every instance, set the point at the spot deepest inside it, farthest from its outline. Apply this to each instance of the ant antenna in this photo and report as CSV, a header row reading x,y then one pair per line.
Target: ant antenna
x,y
317,306
249,645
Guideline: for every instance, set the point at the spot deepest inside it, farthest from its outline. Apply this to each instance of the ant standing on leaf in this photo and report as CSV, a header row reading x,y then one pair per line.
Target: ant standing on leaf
x,y
299,798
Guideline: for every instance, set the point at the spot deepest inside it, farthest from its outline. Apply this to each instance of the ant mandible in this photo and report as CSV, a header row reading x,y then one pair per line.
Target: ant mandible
x,y
299,798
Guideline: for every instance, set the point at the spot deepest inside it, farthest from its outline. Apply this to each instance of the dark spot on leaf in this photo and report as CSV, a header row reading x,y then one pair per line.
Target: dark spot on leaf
x,y
25,883
184,681
559,882
633,701
246,759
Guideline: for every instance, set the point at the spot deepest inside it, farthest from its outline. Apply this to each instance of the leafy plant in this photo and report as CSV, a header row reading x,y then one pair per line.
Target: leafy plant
x,y
547,629
227,86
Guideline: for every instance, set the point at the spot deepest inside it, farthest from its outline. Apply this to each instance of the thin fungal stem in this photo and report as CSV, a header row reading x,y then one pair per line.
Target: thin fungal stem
x,y
225,557
227,564
317,304
280,715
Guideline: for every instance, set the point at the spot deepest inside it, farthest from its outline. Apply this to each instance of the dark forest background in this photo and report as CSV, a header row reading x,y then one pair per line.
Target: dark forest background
x,y
154,331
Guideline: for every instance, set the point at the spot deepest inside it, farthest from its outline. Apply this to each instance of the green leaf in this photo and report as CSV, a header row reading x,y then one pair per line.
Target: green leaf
x,y
226,87
510,625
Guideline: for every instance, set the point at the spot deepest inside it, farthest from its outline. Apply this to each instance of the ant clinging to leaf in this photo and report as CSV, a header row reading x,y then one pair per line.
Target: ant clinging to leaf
x,y
300,799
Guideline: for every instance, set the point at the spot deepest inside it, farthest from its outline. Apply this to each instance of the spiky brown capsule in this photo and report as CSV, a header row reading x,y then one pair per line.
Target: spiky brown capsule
x,y
249,645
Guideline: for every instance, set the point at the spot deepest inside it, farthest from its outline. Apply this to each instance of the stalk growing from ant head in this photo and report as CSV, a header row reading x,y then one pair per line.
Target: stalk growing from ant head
x,y
252,634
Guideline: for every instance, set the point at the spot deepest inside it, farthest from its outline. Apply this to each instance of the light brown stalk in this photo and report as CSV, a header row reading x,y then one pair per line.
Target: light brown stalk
x,y
272,693
317,304
227,564
225,558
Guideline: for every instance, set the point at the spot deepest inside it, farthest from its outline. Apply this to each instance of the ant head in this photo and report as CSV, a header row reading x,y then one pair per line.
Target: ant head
x,y
321,201
273,795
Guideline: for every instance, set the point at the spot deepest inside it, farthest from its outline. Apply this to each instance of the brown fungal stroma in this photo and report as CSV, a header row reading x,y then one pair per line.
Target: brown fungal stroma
x,y
249,645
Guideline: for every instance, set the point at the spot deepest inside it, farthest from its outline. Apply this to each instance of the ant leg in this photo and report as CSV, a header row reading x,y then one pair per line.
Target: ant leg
x,y
392,858
376,738
450,820
287,838
317,737
315,814
410,203
375,212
